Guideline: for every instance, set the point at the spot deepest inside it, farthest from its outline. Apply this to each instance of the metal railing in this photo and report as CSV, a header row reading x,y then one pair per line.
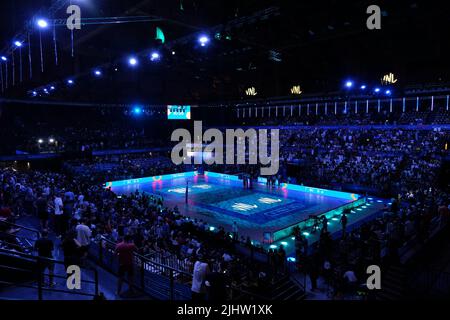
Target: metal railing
x,y
10,224
161,281
155,279
171,260
35,275
13,241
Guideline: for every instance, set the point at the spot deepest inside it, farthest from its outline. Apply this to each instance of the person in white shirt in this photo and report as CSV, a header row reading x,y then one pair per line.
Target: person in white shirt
x,y
60,225
58,205
198,288
84,234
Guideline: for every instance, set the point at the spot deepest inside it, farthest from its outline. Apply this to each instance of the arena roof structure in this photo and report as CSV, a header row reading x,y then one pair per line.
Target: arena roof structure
x,y
191,51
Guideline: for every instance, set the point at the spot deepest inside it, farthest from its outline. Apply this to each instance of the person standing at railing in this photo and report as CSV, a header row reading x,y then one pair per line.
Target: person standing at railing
x,y
217,283
42,210
44,247
59,216
201,271
84,234
125,250
71,249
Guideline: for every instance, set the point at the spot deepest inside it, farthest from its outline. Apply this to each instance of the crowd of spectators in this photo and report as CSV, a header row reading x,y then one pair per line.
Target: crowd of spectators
x,y
384,241
100,169
86,140
285,117
390,161
402,163
85,130
80,212
101,128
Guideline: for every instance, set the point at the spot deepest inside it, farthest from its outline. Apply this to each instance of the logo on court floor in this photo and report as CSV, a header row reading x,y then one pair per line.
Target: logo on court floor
x,y
243,206
269,200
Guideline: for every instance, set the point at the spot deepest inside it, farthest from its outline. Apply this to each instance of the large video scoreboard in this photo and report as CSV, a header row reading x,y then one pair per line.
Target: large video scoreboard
x,y
178,112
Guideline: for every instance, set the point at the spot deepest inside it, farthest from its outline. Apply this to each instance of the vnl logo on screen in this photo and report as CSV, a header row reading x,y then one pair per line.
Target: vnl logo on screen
x,y
178,112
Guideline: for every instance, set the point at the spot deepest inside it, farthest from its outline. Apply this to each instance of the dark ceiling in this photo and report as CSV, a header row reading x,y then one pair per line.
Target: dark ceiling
x,y
269,45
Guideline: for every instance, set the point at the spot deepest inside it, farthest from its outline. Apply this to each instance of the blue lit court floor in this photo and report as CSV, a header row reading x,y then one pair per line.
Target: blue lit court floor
x,y
221,202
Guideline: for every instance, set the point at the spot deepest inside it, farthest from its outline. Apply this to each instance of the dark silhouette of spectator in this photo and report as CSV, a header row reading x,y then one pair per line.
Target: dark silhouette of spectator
x,y
125,252
71,250
42,211
44,247
217,283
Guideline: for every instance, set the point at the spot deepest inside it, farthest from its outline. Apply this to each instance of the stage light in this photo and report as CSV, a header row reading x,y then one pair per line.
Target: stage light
x,y
52,88
363,87
306,234
4,58
45,90
349,84
388,92
70,81
154,56
51,140
137,110
34,93
284,243
272,246
42,23
377,90
212,228
203,40
97,73
132,61
40,141
18,44
173,53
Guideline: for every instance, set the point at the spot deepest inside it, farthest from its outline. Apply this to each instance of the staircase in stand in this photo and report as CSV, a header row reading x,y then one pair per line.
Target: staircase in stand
x,y
287,289
394,284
